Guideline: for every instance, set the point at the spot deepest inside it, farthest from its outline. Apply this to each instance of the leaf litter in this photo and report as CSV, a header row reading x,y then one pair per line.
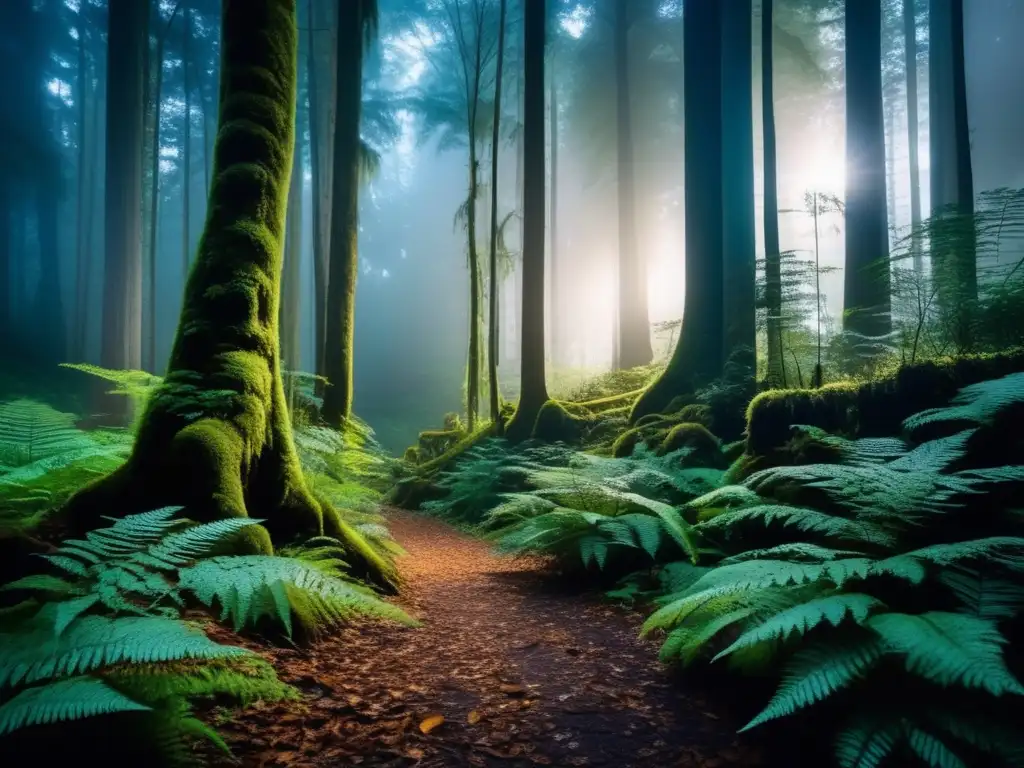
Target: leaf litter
x,y
503,672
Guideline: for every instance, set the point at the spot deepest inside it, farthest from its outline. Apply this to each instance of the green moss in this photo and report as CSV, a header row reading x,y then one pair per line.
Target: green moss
x,y
869,409
216,437
626,442
412,455
654,419
561,422
705,448
430,467
734,450
434,442
695,413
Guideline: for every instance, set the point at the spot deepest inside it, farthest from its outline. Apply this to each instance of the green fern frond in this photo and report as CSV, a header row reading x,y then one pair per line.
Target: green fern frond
x,y
975,404
181,547
867,742
949,649
801,519
983,595
45,583
685,643
91,642
31,431
71,699
935,455
799,551
801,619
930,749
253,586
816,672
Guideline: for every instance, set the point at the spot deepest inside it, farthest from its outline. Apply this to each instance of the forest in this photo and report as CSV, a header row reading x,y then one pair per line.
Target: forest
x,y
512,383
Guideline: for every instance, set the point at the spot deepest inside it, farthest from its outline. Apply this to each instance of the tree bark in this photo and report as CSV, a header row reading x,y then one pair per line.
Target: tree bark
x,y
215,437
634,327
954,251
913,128
555,305
492,314
344,242
772,250
291,285
81,244
127,40
533,386
739,229
866,297
698,357
186,155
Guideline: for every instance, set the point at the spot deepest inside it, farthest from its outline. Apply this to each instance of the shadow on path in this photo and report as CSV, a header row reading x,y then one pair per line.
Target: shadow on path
x,y
523,676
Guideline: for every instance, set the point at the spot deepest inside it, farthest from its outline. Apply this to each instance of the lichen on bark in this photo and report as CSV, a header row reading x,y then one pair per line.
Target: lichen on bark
x,y
215,437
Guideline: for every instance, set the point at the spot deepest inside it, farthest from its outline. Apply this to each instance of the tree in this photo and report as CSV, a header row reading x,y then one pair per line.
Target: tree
x,y
127,41
739,304
698,356
772,249
357,23
866,295
492,313
455,107
533,391
215,436
913,129
634,340
952,178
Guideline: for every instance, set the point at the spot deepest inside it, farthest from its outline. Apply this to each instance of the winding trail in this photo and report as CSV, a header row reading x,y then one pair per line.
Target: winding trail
x,y
523,676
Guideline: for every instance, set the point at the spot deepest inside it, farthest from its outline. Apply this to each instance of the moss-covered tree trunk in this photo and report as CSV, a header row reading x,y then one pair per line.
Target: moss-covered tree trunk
x,y
533,386
216,437
913,129
698,356
344,239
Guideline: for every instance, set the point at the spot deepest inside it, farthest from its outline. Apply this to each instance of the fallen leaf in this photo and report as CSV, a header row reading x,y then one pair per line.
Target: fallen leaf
x,y
414,754
430,722
473,717
512,689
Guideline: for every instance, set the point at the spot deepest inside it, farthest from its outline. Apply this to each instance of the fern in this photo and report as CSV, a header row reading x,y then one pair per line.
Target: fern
x,y
250,587
977,404
70,699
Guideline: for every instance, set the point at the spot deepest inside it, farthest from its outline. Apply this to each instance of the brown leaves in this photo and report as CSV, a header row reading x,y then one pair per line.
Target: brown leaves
x,y
473,717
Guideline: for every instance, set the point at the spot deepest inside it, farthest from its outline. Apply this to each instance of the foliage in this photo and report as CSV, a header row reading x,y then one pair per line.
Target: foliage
x,y
898,559
44,458
109,635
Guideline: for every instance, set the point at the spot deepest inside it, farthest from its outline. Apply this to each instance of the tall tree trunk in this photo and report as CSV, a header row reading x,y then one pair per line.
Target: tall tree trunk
x,y
127,39
291,283
319,242
533,391
344,243
554,260
231,456
634,331
954,249
913,128
890,165
82,198
154,196
473,362
739,299
186,153
91,209
866,296
698,357
772,250
492,315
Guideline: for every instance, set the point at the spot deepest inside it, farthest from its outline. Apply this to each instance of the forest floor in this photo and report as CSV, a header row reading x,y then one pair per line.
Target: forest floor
x,y
523,673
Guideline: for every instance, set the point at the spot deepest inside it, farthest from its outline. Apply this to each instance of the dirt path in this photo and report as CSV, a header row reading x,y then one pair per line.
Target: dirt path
x,y
523,676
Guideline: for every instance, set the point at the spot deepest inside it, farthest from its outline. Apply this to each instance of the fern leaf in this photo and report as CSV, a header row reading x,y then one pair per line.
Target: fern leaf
x,y
685,643
949,649
805,617
930,749
818,671
92,642
796,551
72,699
43,582
182,547
867,742
802,519
66,611
253,586
982,595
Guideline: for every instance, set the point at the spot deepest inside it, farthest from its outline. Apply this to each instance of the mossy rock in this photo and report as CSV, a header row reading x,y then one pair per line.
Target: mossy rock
x,y
435,442
696,413
654,419
734,450
412,454
705,448
870,409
